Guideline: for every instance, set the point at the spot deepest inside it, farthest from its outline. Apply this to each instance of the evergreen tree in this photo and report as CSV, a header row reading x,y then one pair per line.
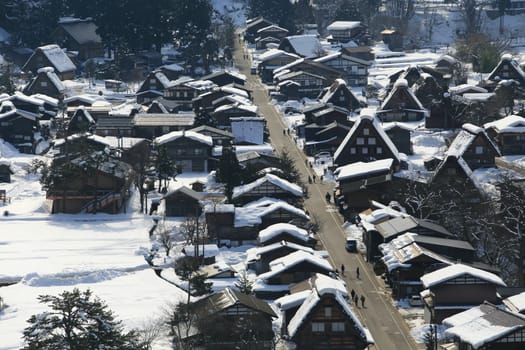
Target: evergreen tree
x,y
77,320
277,11
348,11
6,83
229,171
287,165
164,166
244,284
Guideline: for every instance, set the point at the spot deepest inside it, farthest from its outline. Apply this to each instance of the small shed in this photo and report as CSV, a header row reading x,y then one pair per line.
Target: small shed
x,y
206,251
5,172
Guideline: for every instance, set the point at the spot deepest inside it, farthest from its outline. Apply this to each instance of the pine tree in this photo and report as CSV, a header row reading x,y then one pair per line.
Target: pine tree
x,y
229,171
77,320
244,284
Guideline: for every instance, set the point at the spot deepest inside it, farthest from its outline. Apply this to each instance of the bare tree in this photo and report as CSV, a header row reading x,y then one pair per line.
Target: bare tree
x,y
471,13
165,236
194,231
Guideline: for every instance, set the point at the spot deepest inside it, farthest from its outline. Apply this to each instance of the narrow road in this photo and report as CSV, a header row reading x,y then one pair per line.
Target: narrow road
x,y
388,328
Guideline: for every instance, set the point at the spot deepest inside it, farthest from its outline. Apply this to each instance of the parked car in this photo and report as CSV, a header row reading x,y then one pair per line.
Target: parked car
x,y
415,300
351,245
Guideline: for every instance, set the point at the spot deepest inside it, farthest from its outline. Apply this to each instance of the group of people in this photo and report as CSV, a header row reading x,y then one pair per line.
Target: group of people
x,y
354,297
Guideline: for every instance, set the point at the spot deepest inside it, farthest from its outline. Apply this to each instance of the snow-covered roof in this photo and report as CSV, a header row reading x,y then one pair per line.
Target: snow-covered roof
x,y
510,124
457,270
292,300
273,179
360,168
210,250
516,303
273,53
29,99
284,263
253,254
343,25
305,45
174,135
379,129
465,138
58,58
504,59
402,85
251,214
483,324
460,89
235,91
272,27
276,229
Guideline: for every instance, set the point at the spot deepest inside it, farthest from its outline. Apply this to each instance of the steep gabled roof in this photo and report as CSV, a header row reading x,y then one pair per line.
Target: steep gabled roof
x,y
273,179
279,228
286,262
465,138
228,297
58,58
174,135
507,59
401,87
359,169
83,31
509,124
306,45
253,254
187,191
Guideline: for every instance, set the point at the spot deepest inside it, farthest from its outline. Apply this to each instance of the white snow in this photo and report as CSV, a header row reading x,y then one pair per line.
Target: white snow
x,y
174,135
285,185
277,229
360,168
456,270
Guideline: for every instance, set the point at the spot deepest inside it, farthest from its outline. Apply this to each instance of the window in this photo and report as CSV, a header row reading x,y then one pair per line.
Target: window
x,y
338,327
353,150
451,171
43,83
479,149
364,150
366,131
153,81
341,98
198,151
317,327
372,141
328,312
379,150
360,141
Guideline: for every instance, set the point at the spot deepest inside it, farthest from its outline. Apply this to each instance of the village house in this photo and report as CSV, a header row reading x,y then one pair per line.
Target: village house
x,y
320,138
204,102
308,66
268,186
292,268
206,253
355,70
46,82
156,107
325,320
151,125
359,182
183,91
272,59
79,35
222,312
307,45
241,225
400,134
154,86
257,160
446,64
223,114
80,122
25,103
401,105
253,26
18,127
345,31
259,258
182,202
508,133
393,39
248,130
270,34
189,150
338,94
51,56
5,172
93,187
172,71
225,77
486,326
220,137
366,141
300,84
284,232
506,69
456,288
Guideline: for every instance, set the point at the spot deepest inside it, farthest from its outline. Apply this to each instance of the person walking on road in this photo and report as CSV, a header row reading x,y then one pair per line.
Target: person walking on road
x,y
356,300
357,272
342,269
352,294
327,196
362,301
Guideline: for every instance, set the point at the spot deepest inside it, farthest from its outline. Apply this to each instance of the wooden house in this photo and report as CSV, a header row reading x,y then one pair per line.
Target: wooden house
x,y
220,137
345,31
25,103
46,82
305,84
486,326
188,149
326,137
325,320
508,133
241,225
183,91
361,182
5,172
292,268
253,26
268,186
446,64
92,187
172,71
18,127
248,130
156,107
366,141
271,31
285,232
271,60
262,43
183,202
151,125
309,66
456,288
257,161
386,231
224,114
206,253
115,126
338,94
307,45
225,77
355,69
79,35
401,105
223,312
506,69
400,134
393,39
81,122
259,258
156,82
51,56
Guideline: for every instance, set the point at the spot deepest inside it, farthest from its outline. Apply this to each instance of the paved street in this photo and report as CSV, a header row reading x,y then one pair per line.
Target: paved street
x,y
388,328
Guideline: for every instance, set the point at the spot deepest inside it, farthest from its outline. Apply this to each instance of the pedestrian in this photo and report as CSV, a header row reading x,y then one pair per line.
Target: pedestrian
x,y
362,301
284,131
306,162
352,294
313,178
336,270
357,272
321,177
327,196
356,300
309,180
342,269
